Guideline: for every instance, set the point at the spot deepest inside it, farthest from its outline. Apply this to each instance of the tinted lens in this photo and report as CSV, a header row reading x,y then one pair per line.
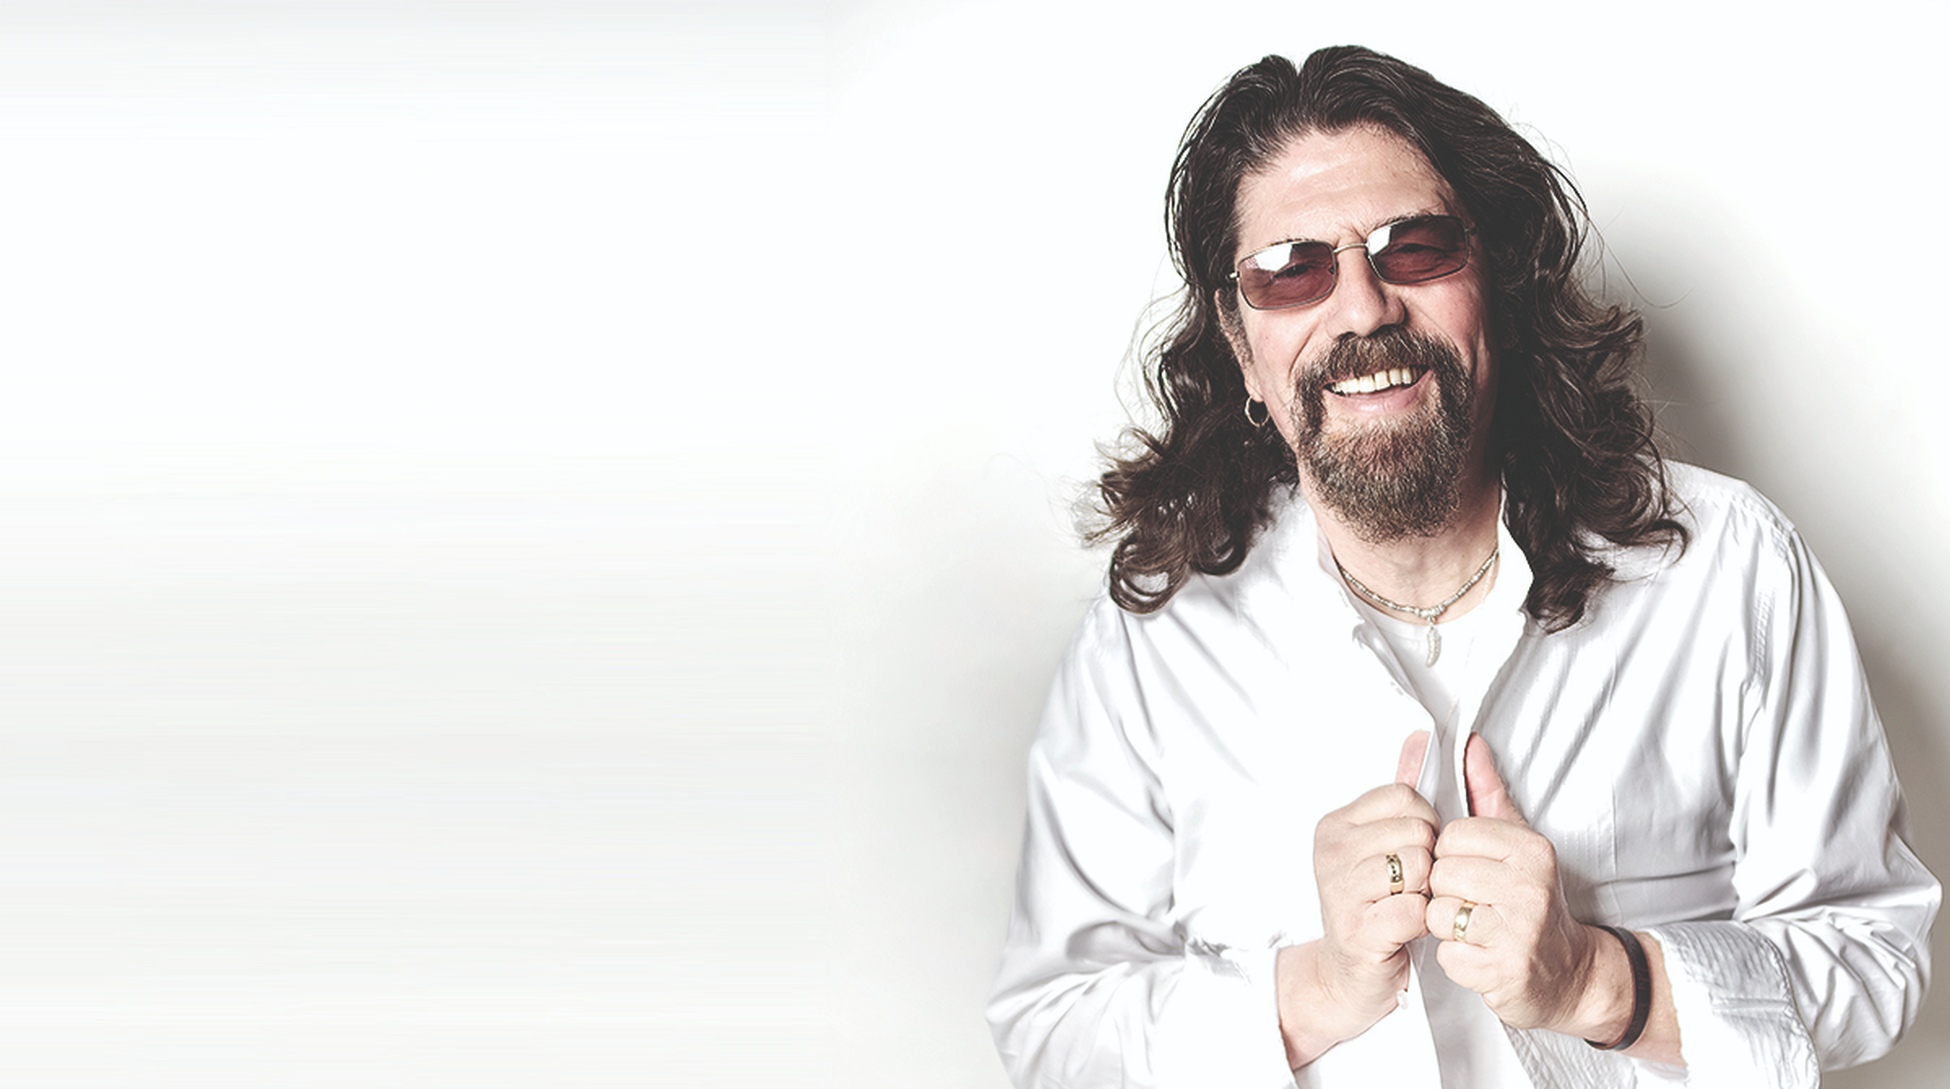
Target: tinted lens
x,y
1291,274
1410,252
1417,250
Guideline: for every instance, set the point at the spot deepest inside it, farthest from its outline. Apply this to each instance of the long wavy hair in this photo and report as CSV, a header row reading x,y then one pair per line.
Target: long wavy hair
x,y
1573,440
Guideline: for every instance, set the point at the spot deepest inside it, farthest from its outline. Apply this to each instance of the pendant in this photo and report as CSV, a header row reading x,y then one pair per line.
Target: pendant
x,y
1435,644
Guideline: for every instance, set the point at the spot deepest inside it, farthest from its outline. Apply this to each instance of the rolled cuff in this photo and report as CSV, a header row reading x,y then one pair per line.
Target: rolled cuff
x,y
1221,1024
1738,1025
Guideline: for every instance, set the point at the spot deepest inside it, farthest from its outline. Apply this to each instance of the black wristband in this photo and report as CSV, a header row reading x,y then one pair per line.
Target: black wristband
x,y
1641,990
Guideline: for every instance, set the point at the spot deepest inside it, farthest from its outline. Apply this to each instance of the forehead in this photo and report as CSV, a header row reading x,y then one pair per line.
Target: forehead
x,y
1336,187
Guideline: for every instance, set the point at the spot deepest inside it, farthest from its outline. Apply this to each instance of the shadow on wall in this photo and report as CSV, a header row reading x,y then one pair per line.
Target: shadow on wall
x,y
1734,375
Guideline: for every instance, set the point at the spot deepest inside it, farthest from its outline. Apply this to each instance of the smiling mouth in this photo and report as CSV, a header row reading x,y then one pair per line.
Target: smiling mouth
x,y
1390,378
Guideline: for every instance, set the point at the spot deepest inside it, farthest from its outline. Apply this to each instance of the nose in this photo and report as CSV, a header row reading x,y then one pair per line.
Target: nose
x,y
1362,303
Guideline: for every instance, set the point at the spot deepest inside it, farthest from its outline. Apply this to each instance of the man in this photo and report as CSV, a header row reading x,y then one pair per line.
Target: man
x,y
1405,521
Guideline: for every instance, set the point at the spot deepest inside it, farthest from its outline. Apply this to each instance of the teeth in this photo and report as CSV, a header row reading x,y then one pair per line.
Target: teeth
x,y
1380,380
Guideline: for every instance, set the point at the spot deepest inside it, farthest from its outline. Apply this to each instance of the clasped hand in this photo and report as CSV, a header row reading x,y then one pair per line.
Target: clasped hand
x,y
1520,948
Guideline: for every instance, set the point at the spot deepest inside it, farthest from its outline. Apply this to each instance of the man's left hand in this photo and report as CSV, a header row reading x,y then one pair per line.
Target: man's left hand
x,y
1521,949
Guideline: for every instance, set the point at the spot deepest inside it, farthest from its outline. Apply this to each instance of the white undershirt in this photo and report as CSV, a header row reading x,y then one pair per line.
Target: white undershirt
x,y
1437,686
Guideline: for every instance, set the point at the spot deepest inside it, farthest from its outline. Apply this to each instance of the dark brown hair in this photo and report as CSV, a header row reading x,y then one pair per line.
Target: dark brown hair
x,y
1571,436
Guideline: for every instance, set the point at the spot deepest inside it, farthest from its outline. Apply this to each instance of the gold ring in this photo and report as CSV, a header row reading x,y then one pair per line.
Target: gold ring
x,y
1395,885
1460,932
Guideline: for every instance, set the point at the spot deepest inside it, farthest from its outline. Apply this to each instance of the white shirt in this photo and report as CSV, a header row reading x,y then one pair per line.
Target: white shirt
x,y
1472,1049
1700,749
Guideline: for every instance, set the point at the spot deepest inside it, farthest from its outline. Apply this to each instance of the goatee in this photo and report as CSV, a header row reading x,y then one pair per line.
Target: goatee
x,y
1396,478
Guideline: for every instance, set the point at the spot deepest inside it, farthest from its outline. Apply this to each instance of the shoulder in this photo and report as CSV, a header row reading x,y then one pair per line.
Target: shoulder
x,y
1714,504
1216,627
1278,556
1742,569
1729,525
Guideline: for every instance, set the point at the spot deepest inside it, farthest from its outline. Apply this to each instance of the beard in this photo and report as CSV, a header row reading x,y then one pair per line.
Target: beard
x,y
1389,479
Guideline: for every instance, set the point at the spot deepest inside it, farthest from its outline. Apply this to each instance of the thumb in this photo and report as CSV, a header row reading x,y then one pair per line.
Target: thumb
x,y
1488,797
1415,750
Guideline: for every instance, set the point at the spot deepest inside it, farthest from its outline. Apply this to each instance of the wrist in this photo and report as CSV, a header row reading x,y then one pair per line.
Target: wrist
x,y
1313,1016
1603,1010
1618,994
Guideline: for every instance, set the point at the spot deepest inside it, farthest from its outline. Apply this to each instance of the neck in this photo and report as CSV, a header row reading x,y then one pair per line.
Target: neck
x,y
1423,571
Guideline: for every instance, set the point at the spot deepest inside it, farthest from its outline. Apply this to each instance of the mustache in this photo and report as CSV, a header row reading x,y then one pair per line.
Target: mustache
x,y
1353,357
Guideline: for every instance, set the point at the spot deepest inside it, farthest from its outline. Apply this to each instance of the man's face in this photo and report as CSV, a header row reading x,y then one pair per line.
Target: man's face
x,y
1384,391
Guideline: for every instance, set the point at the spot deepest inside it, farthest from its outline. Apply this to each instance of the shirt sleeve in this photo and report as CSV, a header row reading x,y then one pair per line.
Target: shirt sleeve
x,y
1098,986
1825,961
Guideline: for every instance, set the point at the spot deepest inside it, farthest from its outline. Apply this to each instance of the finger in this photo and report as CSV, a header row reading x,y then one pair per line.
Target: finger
x,y
1488,797
1352,865
1470,966
1393,921
1384,802
1501,841
1415,751
1416,864
1377,838
1467,877
1484,925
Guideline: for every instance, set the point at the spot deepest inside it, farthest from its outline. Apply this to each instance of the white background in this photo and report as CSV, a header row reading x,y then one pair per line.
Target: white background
x,y
532,538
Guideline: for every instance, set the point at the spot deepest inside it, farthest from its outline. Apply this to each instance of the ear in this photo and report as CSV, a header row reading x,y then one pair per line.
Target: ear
x,y
1235,333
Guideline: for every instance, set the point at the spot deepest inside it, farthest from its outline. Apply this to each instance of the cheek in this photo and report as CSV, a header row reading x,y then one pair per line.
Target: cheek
x,y
1274,365
1283,423
1276,389
1276,384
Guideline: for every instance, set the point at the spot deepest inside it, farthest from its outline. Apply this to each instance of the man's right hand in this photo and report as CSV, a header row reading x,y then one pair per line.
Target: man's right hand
x,y
1332,989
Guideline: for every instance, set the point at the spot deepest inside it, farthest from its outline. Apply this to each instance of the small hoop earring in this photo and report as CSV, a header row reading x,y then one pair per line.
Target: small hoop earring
x,y
1250,402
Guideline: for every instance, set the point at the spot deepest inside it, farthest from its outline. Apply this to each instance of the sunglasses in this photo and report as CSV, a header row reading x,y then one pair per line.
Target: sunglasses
x,y
1412,251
